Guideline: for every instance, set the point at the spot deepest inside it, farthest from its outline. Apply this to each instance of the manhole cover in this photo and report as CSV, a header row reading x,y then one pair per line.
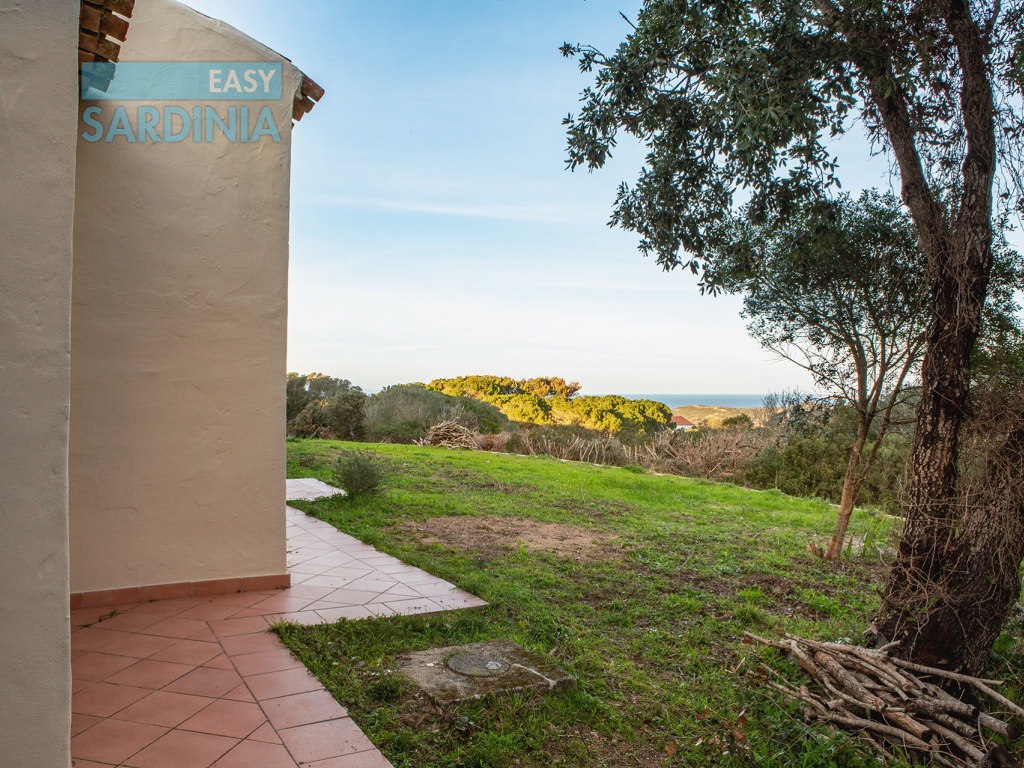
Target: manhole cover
x,y
474,664
464,672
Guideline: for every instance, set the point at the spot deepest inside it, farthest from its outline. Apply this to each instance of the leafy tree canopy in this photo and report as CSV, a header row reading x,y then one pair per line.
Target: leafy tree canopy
x,y
552,400
840,291
738,99
305,388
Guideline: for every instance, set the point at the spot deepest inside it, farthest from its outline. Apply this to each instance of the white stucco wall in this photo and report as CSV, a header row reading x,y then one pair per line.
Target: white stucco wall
x,y
179,335
38,106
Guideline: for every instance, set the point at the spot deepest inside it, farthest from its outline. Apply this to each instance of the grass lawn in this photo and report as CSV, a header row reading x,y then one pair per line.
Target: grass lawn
x,y
639,585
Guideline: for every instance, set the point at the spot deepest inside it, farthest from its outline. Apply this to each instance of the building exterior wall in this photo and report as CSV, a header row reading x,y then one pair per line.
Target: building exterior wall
x,y
177,461
38,104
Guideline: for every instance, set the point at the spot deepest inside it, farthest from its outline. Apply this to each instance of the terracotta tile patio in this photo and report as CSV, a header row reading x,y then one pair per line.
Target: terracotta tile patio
x,y
200,682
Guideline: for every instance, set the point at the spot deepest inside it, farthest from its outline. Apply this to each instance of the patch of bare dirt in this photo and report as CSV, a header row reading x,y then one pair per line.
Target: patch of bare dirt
x,y
499,534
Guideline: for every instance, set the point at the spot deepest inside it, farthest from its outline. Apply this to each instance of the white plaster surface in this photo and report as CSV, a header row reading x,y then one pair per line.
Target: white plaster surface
x,y
38,105
179,337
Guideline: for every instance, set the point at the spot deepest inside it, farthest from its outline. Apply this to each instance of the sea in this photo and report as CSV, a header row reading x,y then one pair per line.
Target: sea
x,y
727,401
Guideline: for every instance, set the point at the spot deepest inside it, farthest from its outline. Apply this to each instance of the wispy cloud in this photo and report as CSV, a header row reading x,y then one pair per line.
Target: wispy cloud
x,y
533,213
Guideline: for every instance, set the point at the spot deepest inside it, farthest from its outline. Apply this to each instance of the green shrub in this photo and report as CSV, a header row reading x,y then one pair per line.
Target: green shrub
x,y
404,414
341,417
360,473
324,407
810,466
816,466
741,420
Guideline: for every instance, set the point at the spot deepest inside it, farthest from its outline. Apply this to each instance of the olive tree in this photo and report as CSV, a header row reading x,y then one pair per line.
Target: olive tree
x,y
840,291
742,97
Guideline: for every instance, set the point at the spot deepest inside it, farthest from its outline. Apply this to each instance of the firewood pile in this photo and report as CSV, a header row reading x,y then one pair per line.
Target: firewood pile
x,y
894,703
449,434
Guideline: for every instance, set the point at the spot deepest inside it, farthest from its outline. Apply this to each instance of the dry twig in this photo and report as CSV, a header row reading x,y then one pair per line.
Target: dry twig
x,y
890,701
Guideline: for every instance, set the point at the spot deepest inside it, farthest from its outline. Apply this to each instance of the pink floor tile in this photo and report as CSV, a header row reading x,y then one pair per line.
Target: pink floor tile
x,y
237,645
313,593
266,661
183,749
351,571
114,741
328,581
104,699
77,684
281,604
164,708
189,652
81,617
437,589
175,627
211,611
352,597
99,666
319,741
95,639
370,584
205,636
219,662
131,621
274,684
226,718
302,709
242,599
265,733
170,607
369,759
350,612
81,723
150,674
251,753
422,605
240,693
229,627
138,646
206,682
401,590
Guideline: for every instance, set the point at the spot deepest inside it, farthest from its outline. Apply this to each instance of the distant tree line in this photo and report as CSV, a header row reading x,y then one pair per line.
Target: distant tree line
x,y
553,401
797,444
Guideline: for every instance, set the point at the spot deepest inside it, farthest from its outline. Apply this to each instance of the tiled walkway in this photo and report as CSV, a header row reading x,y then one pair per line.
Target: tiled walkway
x,y
201,682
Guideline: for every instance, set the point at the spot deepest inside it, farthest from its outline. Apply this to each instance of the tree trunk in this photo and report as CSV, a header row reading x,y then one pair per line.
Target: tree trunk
x,y
851,490
957,613
947,595
948,592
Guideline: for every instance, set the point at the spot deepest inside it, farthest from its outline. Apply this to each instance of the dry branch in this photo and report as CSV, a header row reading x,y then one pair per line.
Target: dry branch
x,y
450,434
890,702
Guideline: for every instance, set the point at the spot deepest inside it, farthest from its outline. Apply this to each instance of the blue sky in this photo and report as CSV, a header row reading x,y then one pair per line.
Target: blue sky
x,y
434,230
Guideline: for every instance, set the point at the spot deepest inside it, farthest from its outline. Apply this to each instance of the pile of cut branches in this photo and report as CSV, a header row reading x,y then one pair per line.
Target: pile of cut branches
x,y
892,702
450,434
